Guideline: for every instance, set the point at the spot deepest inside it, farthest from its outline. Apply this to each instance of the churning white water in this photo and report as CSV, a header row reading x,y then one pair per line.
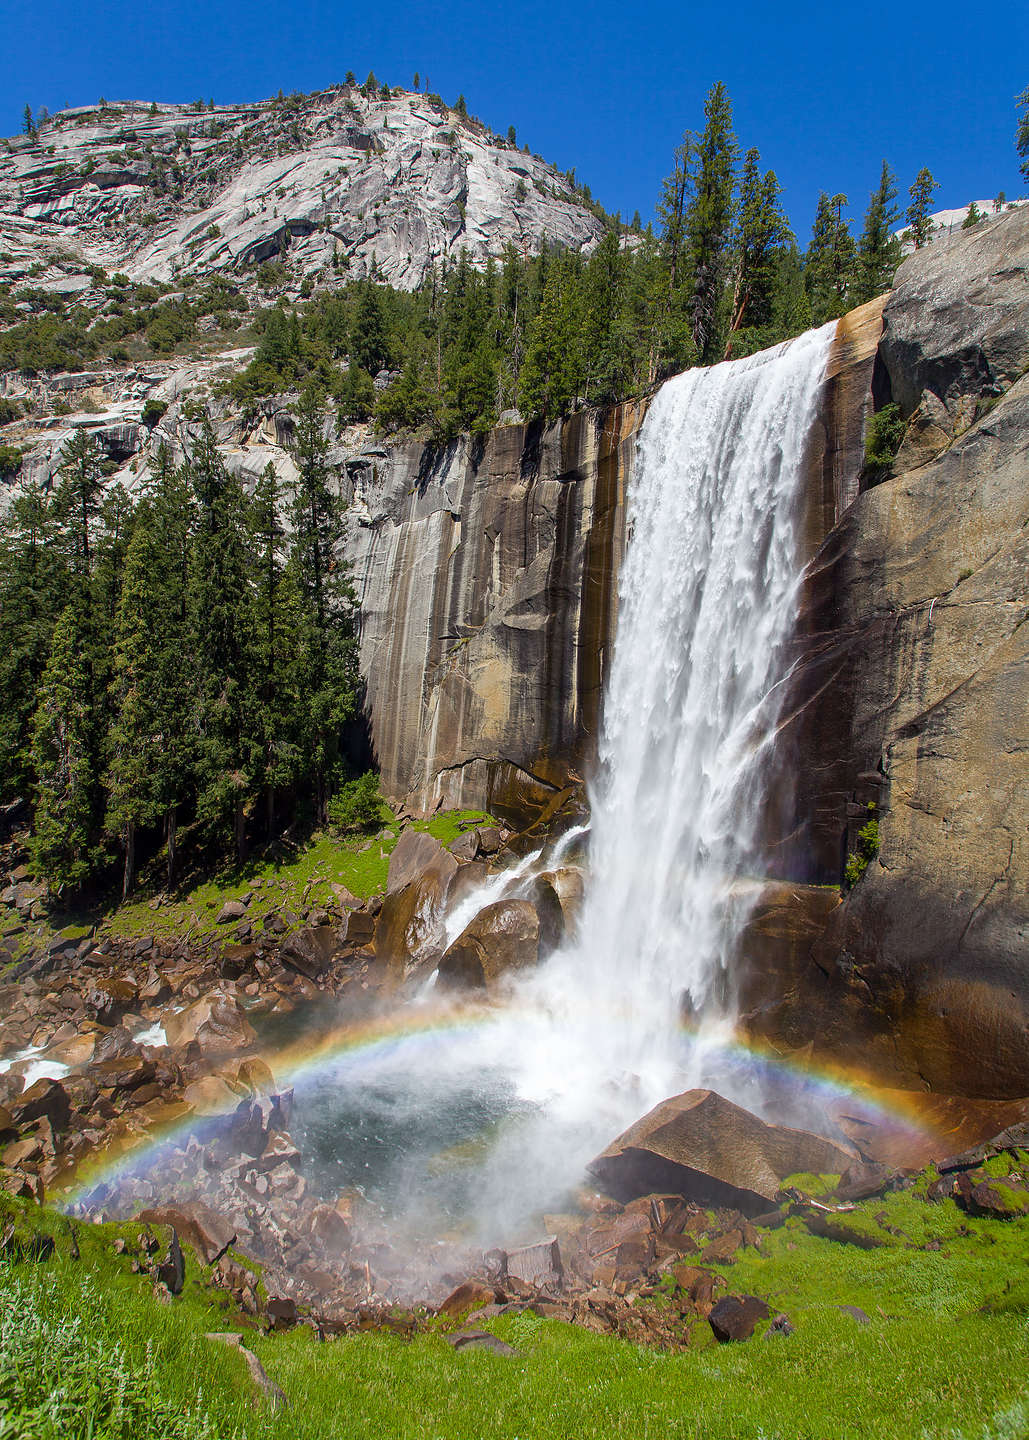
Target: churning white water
x,y
592,1039
706,606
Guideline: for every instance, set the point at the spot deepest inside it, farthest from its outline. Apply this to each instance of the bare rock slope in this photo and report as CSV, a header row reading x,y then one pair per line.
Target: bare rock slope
x,y
333,180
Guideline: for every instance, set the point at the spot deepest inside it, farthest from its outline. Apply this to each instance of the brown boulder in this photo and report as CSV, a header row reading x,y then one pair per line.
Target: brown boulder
x,y
504,936
311,950
46,1098
537,1264
207,1232
409,930
472,1295
411,856
736,1317
713,1152
216,1022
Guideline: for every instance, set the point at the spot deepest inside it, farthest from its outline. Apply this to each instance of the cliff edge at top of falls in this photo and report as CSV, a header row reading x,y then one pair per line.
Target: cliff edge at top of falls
x,y
911,707
396,180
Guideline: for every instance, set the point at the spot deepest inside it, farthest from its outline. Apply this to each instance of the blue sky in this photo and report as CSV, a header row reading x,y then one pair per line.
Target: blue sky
x,y
826,91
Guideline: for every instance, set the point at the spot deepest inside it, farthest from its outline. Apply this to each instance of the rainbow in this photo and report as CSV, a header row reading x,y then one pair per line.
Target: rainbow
x,y
414,1031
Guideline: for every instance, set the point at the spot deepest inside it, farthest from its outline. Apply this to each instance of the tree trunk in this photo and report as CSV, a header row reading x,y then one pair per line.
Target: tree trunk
x,y
129,873
241,832
170,831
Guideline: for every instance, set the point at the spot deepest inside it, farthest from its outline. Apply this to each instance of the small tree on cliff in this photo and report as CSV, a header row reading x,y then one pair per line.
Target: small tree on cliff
x,y
878,252
1022,134
919,213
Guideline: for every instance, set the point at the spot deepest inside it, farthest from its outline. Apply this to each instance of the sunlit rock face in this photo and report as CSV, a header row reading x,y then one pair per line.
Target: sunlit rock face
x,y
487,578
333,182
911,696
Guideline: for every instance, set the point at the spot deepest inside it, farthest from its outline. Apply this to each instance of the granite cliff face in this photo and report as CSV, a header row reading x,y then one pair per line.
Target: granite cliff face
x,y
488,578
912,696
332,180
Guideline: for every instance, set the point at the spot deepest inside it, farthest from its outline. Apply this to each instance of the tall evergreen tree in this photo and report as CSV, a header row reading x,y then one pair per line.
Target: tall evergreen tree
x,y
34,583
1022,135
78,496
761,230
220,637
829,264
919,213
709,220
65,848
325,596
878,253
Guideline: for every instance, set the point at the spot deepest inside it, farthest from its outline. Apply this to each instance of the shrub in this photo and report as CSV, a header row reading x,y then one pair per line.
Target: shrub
x,y
868,849
9,410
882,441
10,460
152,413
357,805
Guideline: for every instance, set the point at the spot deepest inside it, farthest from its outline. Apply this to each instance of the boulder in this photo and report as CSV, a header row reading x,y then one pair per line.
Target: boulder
x,y
310,950
210,1095
409,929
45,1099
503,937
413,852
557,896
216,1022
471,1295
705,1148
231,910
204,1230
537,1264
465,847
736,1317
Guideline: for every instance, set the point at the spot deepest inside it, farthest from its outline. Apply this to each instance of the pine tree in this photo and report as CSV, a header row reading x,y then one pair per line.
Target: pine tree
x,y
708,221
829,264
64,755
878,253
671,209
368,341
972,219
280,660
1022,135
550,374
220,639
919,213
34,582
761,229
77,501
28,125
325,594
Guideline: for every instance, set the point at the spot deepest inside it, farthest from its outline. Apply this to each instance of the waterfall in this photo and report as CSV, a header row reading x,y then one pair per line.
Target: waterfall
x,y
706,606
585,1044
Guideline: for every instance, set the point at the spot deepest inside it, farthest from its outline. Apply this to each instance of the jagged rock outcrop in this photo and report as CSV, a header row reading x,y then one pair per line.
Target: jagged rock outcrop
x,y
911,696
330,182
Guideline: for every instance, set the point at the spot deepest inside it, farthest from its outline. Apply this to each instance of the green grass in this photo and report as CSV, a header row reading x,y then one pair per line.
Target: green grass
x,y
293,879
946,1354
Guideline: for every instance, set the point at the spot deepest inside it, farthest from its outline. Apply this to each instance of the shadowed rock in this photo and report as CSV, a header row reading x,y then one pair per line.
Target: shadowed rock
x,y
504,936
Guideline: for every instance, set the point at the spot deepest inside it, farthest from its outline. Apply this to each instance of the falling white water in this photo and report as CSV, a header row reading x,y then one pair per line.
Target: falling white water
x,y
592,1039
707,600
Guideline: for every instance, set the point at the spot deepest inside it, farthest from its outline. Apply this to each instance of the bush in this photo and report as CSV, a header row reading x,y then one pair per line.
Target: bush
x,y
153,410
357,805
868,849
10,460
882,441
